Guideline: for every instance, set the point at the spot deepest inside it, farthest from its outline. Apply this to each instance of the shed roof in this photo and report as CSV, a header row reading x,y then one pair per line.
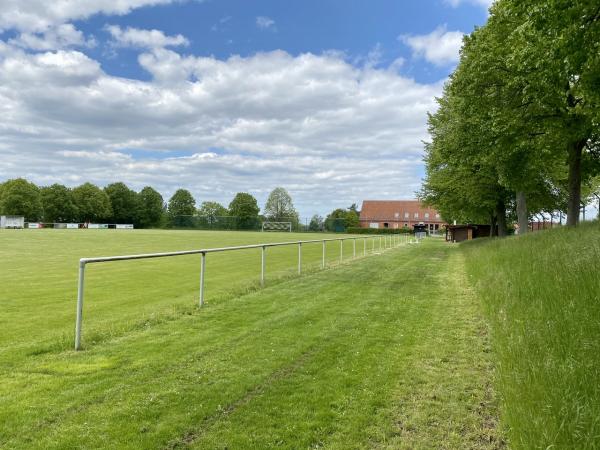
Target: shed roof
x,y
395,209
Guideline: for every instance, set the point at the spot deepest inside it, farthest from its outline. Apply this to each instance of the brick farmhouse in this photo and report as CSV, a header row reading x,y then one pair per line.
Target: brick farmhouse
x,y
399,214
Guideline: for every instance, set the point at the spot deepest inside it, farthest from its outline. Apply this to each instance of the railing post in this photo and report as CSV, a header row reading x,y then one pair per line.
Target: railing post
x,y
202,269
365,247
323,259
373,244
263,261
354,248
79,305
299,258
341,251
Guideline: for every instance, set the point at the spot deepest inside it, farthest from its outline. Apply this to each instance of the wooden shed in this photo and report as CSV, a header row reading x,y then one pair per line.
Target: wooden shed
x,y
459,233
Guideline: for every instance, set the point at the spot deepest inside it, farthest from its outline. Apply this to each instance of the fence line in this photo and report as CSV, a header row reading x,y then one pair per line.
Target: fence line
x,y
384,243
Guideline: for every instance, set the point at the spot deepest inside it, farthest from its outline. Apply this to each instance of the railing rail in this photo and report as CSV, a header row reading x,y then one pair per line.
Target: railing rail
x,y
385,242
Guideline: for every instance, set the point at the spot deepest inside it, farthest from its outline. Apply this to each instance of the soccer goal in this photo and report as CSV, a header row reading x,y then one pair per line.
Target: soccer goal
x,y
277,226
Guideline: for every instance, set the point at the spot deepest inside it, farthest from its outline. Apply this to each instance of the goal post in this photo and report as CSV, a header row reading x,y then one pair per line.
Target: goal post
x,y
277,226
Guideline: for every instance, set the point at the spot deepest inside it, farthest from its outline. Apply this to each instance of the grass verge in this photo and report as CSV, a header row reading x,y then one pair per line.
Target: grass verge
x,y
542,298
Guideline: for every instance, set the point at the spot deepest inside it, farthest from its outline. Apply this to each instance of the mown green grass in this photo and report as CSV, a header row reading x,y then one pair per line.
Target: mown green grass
x,y
542,297
38,275
388,352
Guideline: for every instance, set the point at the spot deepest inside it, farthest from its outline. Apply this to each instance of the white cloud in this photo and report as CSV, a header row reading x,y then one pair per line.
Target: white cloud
x,y
328,131
264,23
58,37
137,38
440,47
456,3
39,15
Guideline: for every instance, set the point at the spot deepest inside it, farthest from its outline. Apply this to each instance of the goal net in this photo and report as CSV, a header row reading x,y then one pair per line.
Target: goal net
x,y
277,226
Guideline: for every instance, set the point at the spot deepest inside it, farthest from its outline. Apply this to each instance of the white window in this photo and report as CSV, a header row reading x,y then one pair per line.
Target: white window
x,y
406,215
437,216
427,215
416,215
396,215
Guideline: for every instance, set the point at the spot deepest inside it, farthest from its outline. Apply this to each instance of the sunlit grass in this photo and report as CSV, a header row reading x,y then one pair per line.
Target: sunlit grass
x,y
390,351
542,298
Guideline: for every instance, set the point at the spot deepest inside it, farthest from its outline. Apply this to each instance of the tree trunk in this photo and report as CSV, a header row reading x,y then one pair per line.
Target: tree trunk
x,y
522,214
574,203
493,224
501,218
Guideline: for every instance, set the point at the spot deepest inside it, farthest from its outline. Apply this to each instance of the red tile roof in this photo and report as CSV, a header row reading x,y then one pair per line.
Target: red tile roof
x,y
394,210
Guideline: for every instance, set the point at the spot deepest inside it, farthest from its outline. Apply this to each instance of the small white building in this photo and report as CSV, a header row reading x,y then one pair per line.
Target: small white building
x,y
12,222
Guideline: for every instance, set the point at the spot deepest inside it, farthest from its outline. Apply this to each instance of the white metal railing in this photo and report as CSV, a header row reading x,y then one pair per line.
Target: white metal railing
x,y
384,242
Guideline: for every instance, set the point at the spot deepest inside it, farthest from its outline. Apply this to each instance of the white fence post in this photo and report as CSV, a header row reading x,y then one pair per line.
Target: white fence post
x,y
354,248
299,258
263,261
202,269
365,247
341,251
323,258
79,306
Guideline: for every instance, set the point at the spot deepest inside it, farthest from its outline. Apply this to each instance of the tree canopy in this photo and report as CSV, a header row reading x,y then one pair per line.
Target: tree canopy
x,y
279,206
124,202
182,203
245,208
21,198
516,131
58,204
92,203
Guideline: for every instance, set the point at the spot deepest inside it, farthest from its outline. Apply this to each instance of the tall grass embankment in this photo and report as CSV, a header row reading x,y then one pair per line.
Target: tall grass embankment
x,y
541,295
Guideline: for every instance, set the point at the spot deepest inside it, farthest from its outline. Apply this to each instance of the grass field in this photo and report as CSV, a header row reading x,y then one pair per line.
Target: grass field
x,y
541,294
390,351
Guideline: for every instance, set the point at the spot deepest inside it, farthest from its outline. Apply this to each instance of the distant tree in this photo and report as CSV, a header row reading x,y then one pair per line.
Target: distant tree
x,y
352,216
336,220
124,203
279,207
212,210
19,197
92,203
182,203
316,223
58,204
150,208
245,208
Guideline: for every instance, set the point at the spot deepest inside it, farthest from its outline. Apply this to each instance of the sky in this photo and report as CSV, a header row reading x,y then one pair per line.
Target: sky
x,y
326,98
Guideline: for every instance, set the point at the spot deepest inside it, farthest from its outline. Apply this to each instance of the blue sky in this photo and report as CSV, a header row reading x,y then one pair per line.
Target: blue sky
x,y
326,98
222,28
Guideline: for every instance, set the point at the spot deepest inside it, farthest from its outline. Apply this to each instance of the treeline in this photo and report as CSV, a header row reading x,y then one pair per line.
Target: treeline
x,y
117,203
517,129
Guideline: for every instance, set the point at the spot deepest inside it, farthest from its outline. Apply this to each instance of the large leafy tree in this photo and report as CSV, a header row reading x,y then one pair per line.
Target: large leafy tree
x,y
245,208
58,204
279,206
92,203
212,210
182,203
552,60
21,198
150,208
316,223
124,203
